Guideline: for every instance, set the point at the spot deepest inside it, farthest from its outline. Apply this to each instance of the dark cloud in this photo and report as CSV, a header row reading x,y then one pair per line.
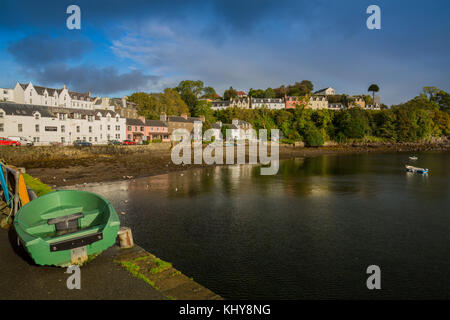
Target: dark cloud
x,y
41,49
101,81
48,61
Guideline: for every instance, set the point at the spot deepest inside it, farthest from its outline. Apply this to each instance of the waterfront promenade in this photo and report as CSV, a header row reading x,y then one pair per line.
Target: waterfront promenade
x,y
102,278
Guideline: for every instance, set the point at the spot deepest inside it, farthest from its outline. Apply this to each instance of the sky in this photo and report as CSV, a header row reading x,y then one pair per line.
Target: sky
x,y
144,45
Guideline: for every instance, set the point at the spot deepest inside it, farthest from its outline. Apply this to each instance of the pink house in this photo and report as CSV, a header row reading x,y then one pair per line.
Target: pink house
x,y
156,129
139,130
135,130
291,102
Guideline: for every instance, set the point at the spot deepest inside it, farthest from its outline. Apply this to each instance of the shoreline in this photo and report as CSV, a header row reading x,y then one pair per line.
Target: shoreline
x,y
69,166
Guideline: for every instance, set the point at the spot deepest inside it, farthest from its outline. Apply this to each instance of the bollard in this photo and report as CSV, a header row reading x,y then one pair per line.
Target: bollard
x,y
125,237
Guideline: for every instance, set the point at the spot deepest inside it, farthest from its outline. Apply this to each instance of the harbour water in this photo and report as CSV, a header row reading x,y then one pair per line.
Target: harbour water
x,y
308,232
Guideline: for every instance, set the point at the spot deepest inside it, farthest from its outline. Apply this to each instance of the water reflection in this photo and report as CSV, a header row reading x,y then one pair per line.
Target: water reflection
x,y
308,232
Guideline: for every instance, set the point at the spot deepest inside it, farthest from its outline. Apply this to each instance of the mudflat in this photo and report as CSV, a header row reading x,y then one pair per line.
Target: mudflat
x,y
63,166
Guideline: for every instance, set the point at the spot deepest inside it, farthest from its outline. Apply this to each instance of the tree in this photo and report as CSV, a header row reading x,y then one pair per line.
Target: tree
x,y
256,93
313,137
209,93
203,108
269,93
196,87
373,88
152,105
229,94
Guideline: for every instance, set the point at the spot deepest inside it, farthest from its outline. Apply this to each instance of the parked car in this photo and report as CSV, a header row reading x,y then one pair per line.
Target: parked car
x,y
114,142
23,141
9,142
129,142
80,143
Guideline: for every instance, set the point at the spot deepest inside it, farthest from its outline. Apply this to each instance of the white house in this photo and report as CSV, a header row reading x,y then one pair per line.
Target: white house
x,y
318,102
220,105
336,106
325,92
6,94
45,124
275,104
43,96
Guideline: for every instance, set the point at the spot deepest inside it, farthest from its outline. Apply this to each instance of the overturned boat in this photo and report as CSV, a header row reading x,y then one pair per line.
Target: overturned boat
x,y
416,169
66,227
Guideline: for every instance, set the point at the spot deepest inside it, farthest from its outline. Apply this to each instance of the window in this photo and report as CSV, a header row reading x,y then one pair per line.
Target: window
x,y
78,129
63,128
1,127
109,127
90,139
95,139
37,128
117,119
118,136
63,139
117,128
19,127
90,129
36,139
129,127
2,114
84,138
142,128
129,137
36,115
135,128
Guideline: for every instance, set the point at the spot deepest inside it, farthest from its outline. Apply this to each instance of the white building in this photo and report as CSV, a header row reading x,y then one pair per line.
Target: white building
x,y
6,94
325,92
45,125
42,96
336,106
274,104
318,102
220,105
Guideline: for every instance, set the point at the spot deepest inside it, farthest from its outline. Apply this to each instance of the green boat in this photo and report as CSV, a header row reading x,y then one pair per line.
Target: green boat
x,y
66,227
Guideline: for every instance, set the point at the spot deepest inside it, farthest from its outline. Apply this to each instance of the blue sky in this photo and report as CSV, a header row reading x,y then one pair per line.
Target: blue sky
x,y
128,46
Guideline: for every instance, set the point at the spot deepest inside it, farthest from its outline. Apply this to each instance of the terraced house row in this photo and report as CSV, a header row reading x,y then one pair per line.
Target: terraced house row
x,y
318,100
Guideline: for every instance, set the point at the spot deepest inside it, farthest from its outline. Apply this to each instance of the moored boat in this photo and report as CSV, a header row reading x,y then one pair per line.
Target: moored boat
x,y
413,158
65,227
416,169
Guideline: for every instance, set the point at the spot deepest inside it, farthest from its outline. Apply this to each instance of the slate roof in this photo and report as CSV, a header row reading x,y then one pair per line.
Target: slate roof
x,y
155,123
17,109
134,122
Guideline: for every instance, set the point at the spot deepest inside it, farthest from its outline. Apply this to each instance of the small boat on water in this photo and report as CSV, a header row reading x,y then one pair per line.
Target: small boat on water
x,y
416,169
413,158
66,226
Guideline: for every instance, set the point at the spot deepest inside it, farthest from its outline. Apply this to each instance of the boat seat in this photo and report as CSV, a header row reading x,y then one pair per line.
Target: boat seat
x,y
61,211
65,219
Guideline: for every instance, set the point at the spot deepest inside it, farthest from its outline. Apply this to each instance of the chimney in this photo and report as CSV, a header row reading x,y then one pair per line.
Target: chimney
x,y
184,115
163,117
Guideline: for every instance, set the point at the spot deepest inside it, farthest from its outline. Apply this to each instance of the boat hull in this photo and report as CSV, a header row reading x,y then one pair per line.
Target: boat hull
x,y
95,231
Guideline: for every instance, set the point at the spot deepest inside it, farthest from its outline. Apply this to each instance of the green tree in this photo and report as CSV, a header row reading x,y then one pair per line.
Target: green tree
x,y
209,93
373,88
229,94
269,93
313,137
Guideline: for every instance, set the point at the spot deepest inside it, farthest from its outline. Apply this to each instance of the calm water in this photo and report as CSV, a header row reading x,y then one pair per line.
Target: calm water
x,y
309,232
